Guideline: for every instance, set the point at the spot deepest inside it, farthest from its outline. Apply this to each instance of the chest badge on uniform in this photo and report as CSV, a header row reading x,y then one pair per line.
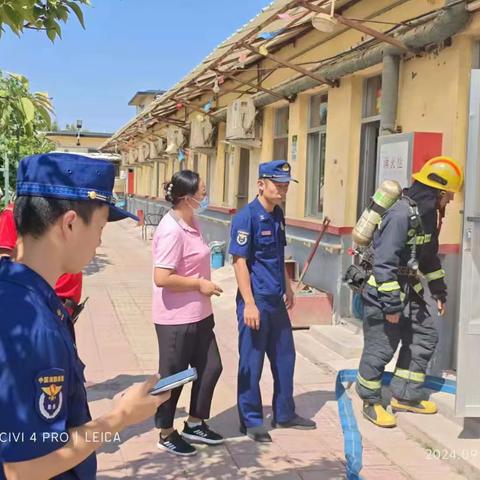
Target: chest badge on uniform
x,y
266,233
49,393
242,237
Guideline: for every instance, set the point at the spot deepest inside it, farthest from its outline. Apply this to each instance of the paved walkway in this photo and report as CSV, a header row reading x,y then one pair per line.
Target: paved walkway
x,y
117,342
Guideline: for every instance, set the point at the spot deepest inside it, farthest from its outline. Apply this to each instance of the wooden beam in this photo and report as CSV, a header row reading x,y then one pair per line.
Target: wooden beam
x,y
288,64
356,25
170,121
193,106
251,84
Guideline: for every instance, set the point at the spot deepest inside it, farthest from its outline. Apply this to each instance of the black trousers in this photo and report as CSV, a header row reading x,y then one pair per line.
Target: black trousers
x,y
418,336
181,346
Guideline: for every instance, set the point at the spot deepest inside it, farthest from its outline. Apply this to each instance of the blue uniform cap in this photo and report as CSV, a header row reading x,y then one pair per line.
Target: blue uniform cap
x,y
70,177
276,170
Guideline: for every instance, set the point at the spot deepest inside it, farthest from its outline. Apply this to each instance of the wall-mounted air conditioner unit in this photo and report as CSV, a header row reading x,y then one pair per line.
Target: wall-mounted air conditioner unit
x,y
144,152
133,154
202,133
157,147
124,156
175,139
241,129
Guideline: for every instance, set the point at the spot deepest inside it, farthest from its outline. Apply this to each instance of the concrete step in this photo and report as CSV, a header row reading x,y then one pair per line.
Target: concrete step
x,y
310,348
343,340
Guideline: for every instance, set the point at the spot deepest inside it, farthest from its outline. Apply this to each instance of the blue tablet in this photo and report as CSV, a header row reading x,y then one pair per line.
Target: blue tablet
x,y
174,381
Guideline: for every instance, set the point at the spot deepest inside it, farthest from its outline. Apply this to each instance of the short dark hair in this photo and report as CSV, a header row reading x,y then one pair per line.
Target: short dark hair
x,y
35,215
183,183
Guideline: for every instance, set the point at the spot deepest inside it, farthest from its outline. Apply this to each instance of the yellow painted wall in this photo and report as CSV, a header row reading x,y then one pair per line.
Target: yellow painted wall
x,y
434,94
202,167
212,158
298,126
255,154
343,151
217,187
266,153
162,168
137,178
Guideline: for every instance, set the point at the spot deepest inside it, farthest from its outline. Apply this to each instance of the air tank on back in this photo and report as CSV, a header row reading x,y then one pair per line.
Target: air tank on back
x,y
385,196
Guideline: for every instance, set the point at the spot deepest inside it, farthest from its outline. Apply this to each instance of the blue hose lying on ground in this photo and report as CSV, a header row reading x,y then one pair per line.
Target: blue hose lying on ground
x,y
351,435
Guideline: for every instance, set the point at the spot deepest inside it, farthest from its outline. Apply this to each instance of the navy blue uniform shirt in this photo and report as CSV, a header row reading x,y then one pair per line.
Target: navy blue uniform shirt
x,y
42,392
259,236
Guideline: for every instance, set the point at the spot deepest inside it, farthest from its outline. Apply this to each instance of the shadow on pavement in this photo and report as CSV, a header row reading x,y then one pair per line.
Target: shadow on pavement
x,y
109,388
98,263
307,405
159,466
217,462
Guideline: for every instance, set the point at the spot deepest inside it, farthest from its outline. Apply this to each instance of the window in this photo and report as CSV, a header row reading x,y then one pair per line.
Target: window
x,y
211,161
372,97
226,175
316,143
243,178
318,111
372,101
280,134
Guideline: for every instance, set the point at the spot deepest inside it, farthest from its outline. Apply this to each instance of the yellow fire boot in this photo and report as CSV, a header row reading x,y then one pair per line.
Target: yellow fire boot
x,y
378,415
426,407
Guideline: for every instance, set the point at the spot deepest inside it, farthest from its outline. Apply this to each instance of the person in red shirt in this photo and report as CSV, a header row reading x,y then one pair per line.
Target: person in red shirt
x,y
8,232
68,286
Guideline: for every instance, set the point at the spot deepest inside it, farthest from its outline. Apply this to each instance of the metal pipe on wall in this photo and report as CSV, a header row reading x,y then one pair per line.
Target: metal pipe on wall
x,y
390,79
447,23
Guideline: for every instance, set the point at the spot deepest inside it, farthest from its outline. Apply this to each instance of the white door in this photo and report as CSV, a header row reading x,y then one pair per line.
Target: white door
x,y
468,383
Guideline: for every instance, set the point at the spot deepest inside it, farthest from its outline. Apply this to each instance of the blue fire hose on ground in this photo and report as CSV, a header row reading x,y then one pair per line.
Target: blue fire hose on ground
x,y
351,435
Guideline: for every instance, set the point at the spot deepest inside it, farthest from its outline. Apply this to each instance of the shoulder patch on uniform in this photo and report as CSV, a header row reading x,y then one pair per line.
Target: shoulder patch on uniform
x,y
49,393
242,237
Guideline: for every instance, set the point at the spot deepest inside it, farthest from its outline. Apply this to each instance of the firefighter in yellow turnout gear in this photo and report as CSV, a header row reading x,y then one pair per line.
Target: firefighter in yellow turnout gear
x,y
404,246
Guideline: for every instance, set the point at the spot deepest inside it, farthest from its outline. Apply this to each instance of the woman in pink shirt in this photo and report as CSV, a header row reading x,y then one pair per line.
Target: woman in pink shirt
x,y
182,312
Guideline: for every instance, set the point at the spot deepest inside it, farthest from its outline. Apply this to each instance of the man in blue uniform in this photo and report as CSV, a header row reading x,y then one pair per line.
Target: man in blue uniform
x,y
63,203
264,293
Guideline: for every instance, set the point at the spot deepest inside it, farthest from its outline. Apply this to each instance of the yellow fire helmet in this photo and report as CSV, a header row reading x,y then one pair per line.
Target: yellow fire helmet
x,y
443,173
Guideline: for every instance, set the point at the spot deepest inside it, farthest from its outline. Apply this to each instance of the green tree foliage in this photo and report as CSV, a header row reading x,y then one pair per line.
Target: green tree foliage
x,y
24,117
45,15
